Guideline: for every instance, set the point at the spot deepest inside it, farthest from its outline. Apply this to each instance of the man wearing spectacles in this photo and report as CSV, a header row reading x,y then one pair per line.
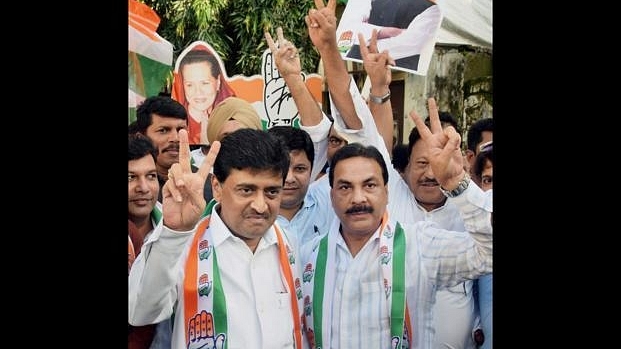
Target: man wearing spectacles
x,y
480,133
415,197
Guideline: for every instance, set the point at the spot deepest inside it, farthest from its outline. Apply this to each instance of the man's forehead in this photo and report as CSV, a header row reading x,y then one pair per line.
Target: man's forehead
x,y
254,175
163,119
143,161
343,167
299,153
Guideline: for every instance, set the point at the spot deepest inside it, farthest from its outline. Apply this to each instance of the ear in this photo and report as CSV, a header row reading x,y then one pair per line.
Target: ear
x,y
216,188
469,155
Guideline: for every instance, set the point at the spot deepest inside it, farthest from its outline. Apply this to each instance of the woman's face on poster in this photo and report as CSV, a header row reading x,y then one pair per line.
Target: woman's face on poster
x,y
199,86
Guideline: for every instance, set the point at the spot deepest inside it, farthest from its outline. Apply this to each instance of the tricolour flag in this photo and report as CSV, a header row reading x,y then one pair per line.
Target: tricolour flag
x,y
150,56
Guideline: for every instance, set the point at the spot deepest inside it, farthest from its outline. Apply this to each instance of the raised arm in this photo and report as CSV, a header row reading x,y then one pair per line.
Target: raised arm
x,y
288,66
377,65
321,23
312,119
157,269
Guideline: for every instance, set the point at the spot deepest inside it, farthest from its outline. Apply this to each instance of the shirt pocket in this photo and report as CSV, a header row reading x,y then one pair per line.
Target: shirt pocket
x,y
277,322
374,307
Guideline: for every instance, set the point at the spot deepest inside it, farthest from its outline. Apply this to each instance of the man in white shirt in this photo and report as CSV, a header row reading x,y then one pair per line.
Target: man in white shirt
x,y
306,208
352,117
143,214
371,281
233,276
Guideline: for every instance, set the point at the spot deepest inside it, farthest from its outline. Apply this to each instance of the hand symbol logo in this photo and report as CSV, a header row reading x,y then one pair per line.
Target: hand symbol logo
x,y
278,102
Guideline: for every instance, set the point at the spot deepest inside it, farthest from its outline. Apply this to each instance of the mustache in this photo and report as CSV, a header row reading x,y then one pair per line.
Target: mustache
x,y
360,208
171,147
255,214
429,181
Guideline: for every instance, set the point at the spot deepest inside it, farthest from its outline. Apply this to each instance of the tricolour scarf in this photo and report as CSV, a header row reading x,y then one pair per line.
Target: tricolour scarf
x,y
204,300
319,293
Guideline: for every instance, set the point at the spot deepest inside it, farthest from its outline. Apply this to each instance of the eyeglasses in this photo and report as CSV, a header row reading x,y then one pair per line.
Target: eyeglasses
x,y
487,146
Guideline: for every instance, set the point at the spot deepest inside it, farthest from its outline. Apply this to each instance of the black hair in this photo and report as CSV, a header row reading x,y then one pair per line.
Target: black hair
x,y
351,150
132,127
480,160
139,146
295,139
160,105
198,56
446,119
400,157
251,149
475,132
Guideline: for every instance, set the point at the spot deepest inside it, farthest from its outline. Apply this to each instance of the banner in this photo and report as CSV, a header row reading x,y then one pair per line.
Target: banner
x,y
150,56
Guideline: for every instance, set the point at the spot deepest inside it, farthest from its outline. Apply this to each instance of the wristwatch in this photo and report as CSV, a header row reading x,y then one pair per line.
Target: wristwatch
x,y
461,187
379,100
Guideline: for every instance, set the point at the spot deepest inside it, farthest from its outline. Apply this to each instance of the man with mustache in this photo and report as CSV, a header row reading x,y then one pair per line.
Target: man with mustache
x,y
232,278
415,197
455,315
160,118
371,281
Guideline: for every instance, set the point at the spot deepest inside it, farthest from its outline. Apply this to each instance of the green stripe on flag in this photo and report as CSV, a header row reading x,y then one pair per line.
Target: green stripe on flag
x,y
146,76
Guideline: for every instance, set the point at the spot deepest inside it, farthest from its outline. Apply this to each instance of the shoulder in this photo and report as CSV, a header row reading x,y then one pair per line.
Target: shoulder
x,y
289,237
307,248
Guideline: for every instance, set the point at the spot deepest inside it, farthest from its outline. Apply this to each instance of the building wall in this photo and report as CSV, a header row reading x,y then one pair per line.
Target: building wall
x,y
460,78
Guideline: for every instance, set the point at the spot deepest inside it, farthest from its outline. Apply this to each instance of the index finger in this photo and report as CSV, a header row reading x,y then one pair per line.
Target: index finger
x,y
319,4
423,130
331,4
270,42
184,151
209,160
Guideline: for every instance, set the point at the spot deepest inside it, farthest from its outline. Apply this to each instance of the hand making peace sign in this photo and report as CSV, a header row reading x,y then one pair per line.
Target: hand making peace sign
x,y
182,195
445,156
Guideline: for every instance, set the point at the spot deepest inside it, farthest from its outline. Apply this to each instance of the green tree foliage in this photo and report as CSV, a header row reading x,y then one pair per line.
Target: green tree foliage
x,y
235,29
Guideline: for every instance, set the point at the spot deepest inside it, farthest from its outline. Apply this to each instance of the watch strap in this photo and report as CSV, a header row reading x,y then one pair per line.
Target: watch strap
x,y
379,100
461,187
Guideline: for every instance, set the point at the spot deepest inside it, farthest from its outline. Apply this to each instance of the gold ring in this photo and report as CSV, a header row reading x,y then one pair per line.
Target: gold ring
x,y
293,56
170,174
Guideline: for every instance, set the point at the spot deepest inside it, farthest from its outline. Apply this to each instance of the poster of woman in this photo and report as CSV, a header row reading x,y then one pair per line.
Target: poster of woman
x,y
199,83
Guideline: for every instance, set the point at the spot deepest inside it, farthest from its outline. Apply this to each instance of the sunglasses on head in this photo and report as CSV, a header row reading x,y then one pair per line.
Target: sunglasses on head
x,y
487,146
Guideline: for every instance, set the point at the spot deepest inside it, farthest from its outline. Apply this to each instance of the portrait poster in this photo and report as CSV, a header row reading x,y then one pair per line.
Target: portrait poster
x,y
200,83
408,29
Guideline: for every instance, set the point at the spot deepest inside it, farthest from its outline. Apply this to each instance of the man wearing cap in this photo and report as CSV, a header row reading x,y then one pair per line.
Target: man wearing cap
x,y
230,115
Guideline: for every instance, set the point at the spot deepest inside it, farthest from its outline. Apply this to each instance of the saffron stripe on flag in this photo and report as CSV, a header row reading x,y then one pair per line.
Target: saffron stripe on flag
x,y
150,56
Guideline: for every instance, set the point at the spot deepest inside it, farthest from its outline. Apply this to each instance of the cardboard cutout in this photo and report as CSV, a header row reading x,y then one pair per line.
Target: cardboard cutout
x,y
267,92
